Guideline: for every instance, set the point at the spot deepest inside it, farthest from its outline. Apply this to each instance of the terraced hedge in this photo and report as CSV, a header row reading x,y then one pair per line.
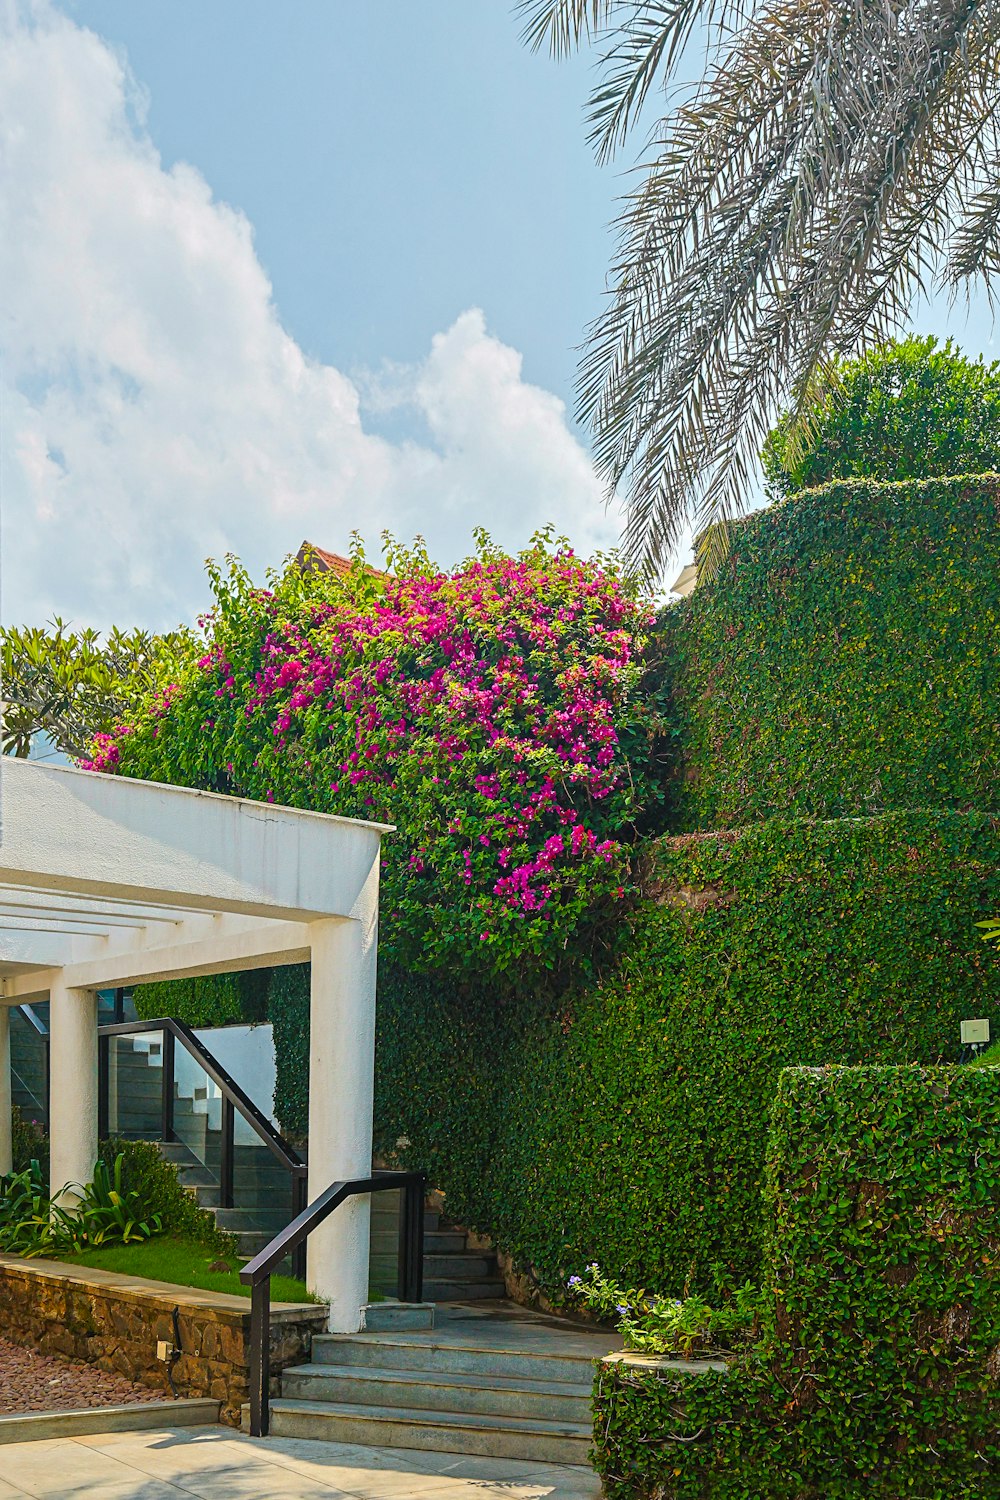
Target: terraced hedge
x,y
876,1375
845,660
628,1123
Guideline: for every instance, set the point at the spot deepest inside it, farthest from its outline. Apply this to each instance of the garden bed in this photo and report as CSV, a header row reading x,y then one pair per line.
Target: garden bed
x,y
114,1322
32,1382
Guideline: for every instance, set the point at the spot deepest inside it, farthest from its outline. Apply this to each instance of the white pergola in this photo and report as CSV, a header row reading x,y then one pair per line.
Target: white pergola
x,y
106,881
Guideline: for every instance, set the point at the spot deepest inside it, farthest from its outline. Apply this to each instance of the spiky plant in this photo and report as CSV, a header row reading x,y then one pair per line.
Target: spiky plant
x,y
836,159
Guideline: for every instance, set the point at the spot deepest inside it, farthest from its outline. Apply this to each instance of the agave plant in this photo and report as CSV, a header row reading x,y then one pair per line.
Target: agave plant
x,y
97,1213
30,1224
108,1213
835,160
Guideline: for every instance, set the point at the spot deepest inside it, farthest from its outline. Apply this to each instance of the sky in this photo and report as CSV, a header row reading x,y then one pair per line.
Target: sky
x,y
276,271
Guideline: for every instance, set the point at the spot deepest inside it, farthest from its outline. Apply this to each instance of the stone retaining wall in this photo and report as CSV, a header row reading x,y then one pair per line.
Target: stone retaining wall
x,y
114,1322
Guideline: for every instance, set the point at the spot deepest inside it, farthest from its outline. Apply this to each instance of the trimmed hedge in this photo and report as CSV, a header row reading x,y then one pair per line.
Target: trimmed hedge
x,y
877,1374
627,1123
846,658
213,1000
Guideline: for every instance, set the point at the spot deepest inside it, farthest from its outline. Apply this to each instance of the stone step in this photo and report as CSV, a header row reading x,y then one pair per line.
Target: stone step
x,y
390,1314
489,1395
467,1265
434,1431
491,1290
422,1352
444,1242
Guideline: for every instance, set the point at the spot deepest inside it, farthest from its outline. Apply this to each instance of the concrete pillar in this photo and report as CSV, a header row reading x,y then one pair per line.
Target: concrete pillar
x,y
6,1105
341,1089
73,1088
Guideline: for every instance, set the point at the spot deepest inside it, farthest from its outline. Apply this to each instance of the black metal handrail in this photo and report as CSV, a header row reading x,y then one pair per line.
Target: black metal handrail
x,y
257,1273
235,1101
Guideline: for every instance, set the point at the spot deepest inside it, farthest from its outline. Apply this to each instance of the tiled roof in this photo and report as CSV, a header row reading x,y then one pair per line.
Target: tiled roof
x,y
318,560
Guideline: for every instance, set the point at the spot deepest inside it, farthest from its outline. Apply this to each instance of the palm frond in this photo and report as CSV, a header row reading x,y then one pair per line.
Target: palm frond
x,y
791,212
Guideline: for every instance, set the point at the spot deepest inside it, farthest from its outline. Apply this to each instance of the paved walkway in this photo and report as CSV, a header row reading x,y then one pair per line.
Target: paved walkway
x,y
215,1463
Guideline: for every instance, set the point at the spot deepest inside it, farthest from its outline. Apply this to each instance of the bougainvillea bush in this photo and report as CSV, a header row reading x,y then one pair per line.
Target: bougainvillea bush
x,y
488,712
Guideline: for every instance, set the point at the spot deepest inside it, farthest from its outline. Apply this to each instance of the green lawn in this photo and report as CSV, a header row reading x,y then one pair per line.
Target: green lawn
x,y
185,1263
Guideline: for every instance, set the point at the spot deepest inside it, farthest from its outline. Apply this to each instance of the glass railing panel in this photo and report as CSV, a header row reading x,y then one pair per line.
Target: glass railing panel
x,y
28,1067
135,1086
383,1260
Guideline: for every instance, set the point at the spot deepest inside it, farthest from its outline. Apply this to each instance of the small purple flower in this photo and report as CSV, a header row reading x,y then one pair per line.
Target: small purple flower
x,y
574,1281
621,1308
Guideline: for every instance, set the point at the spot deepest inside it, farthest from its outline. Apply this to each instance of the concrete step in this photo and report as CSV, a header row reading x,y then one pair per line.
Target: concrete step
x,y
464,1291
490,1395
424,1353
443,1242
434,1431
467,1264
383,1317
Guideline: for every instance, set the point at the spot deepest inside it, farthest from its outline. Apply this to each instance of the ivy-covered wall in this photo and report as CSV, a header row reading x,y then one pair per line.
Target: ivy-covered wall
x,y
785,944
627,1123
846,658
876,1377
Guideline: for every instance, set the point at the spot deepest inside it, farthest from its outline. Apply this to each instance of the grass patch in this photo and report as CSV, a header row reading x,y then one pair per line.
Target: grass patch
x,y
184,1262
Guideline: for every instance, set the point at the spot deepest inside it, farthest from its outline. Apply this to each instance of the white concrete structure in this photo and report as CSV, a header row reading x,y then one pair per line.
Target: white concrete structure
x,y
106,881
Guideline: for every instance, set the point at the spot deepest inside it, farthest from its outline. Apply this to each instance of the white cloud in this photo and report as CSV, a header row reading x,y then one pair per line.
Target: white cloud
x,y
155,410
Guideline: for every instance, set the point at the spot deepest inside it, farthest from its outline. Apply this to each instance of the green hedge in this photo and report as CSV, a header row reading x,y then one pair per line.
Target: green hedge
x,y
211,1001
846,658
627,1123
876,1375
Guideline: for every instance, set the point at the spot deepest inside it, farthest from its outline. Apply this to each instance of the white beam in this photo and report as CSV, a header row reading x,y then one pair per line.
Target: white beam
x,y
16,898
255,945
76,831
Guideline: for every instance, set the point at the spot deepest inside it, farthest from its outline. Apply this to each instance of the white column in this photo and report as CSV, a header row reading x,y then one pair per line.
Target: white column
x,y
341,1090
73,1086
6,1105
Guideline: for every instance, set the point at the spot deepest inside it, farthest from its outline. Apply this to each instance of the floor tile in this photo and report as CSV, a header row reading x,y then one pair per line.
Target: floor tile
x,y
219,1464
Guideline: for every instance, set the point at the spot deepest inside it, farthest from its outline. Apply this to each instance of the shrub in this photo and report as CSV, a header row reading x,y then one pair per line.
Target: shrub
x,y
845,660
875,1378
144,1173
906,410
106,1212
157,1186
486,711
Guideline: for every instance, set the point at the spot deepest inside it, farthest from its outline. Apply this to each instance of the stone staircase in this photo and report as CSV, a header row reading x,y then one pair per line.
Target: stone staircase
x,y
490,1379
455,1264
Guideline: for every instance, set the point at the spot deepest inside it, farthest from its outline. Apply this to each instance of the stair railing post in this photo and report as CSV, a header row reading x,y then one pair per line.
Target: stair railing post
x,y
260,1357
103,1086
300,1199
167,1121
410,1278
47,1084
227,1152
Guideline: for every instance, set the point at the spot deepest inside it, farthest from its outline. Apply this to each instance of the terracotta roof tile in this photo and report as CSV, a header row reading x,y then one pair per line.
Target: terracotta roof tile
x,y
318,560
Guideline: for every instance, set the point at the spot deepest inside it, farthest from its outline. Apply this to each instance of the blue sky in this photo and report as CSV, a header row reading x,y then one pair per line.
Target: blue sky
x,y
272,270
398,162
